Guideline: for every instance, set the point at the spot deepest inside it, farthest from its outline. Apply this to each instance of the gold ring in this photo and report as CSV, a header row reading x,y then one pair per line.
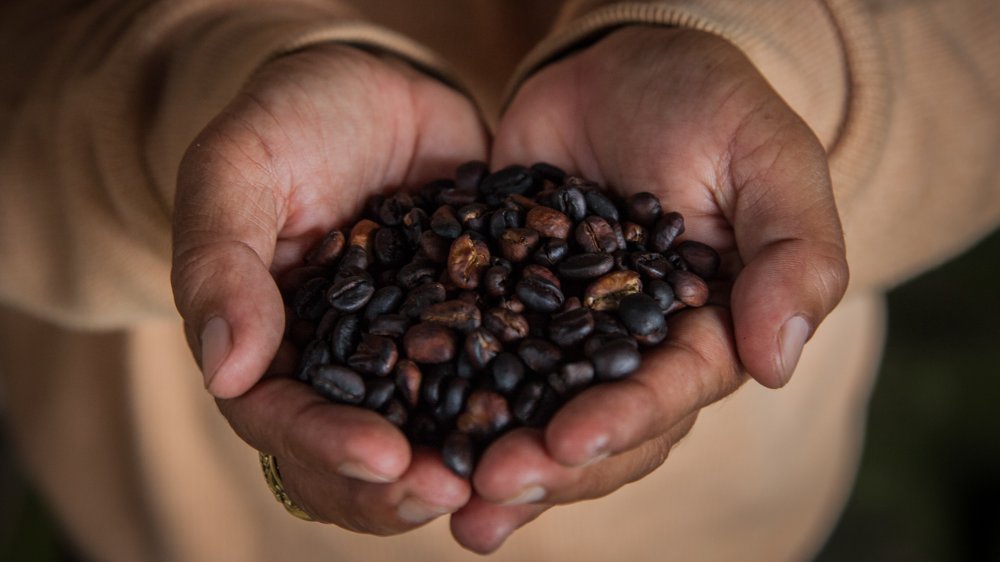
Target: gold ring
x,y
269,465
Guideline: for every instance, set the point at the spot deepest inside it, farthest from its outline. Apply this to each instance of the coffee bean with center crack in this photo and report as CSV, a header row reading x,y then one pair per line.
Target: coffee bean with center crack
x,y
338,384
429,343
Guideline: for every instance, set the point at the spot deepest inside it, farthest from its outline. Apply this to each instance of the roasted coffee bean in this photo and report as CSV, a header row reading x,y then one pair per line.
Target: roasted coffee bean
x,y
676,261
643,208
474,216
408,379
363,235
470,174
378,392
445,223
586,266
615,360
571,304
326,252
355,257
458,196
601,205
467,260
420,298
701,259
539,294
429,192
662,293
620,242
597,341
453,394
540,272
507,372
345,337
325,326
394,208
481,346
666,230
429,343
375,355
338,384
636,236
571,202
501,220
513,179
688,288
351,293
390,246
415,222
433,246
310,301
651,264
463,367
486,413
512,304
571,377
548,222
539,355
396,413
431,386
505,324
533,403
389,325
516,244
384,301
569,328
607,323
316,353
496,281
458,453
417,272
550,252
595,234
606,292
640,314
549,172
458,314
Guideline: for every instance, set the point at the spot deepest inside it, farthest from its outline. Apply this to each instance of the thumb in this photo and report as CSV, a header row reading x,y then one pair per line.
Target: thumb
x,y
789,237
225,228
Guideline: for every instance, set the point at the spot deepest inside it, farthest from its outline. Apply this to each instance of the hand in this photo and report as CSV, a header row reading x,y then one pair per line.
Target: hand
x,y
685,115
309,138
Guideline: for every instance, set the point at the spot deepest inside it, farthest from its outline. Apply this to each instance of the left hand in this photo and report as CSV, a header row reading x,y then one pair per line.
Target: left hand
x,y
685,115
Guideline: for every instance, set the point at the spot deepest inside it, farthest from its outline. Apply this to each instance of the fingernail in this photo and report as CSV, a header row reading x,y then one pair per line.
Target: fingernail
x,y
531,494
359,471
597,451
416,511
598,457
215,344
792,338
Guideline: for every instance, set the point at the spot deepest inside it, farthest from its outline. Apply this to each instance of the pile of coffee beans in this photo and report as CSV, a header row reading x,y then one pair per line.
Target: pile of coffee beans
x,y
482,303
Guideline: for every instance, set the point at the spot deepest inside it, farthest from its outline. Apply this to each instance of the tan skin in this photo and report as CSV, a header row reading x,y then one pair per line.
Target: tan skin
x,y
682,114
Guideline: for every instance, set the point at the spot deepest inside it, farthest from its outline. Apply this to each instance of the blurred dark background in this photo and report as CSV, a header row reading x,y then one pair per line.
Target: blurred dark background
x,y
929,485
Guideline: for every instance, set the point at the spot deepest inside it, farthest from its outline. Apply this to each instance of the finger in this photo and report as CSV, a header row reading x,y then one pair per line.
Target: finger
x,y
482,526
789,236
426,491
288,419
695,366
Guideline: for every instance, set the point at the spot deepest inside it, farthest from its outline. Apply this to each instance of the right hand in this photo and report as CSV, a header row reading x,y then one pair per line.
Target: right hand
x,y
307,140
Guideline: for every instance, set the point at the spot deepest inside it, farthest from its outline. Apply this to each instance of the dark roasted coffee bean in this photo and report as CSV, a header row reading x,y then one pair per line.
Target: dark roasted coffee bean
x,y
417,272
615,360
338,383
643,209
507,181
539,294
505,324
496,281
458,196
415,222
571,202
666,230
355,257
345,337
470,174
408,380
501,220
389,325
375,355
636,236
325,326
458,314
550,252
688,288
481,346
463,367
701,259
516,244
396,413
539,355
433,246
533,403
390,246
459,453
486,413
651,264
601,205
394,208
429,192
569,328
597,341
384,301
474,216
310,301
316,353
351,293
548,222
662,293
586,266
607,323
676,261
454,391
507,370
549,172
467,260
445,223
378,392
640,314
571,377
429,343
594,234
363,235
607,291
326,252
512,304
420,298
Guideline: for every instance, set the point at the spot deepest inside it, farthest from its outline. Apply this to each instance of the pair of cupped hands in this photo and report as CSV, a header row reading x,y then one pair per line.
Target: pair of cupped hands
x,y
679,113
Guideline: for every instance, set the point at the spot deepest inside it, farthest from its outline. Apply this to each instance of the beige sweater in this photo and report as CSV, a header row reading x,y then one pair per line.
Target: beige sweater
x,y
100,99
